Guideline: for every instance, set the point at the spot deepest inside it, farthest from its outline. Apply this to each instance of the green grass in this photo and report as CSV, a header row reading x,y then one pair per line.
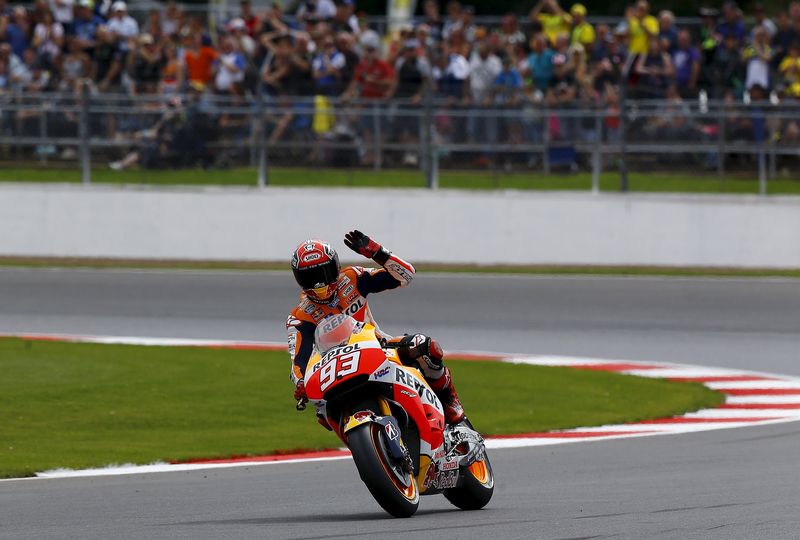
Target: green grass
x,y
400,178
666,271
84,405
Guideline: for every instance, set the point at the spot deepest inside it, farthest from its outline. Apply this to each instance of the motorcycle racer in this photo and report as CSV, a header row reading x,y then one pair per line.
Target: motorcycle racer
x,y
327,290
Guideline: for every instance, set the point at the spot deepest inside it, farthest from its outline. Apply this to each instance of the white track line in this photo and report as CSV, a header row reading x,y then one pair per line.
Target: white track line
x,y
702,420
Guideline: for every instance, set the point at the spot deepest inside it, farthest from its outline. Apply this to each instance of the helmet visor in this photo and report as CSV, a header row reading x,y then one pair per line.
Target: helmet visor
x,y
317,276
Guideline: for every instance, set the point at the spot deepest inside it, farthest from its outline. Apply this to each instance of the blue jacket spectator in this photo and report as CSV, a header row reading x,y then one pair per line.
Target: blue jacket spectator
x,y
540,62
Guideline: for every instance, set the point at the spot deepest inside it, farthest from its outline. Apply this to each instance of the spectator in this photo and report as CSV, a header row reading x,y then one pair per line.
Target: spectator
x,y
170,70
345,44
554,20
172,21
16,31
561,95
108,62
63,12
37,79
484,67
655,70
784,36
48,39
230,69
600,48
242,41
373,77
731,24
433,19
582,31
641,27
122,26
413,76
761,19
273,20
198,60
686,59
789,69
75,65
145,65
251,22
672,121
667,32
540,62
509,32
606,72
154,26
757,57
507,94
726,68
413,73
86,25
508,85
453,75
326,68
345,20
316,10
453,21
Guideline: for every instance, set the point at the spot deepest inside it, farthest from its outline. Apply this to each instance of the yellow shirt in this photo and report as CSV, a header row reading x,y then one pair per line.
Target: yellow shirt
x,y
792,76
583,33
554,25
640,32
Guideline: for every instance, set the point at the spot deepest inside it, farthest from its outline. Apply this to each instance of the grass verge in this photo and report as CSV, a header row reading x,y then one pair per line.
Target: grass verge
x,y
100,263
84,405
404,178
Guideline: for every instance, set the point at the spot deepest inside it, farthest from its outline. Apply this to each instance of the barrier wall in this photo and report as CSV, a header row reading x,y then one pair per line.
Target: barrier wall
x,y
441,226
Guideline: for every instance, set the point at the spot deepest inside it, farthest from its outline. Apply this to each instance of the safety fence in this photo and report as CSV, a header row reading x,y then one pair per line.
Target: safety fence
x,y
92,132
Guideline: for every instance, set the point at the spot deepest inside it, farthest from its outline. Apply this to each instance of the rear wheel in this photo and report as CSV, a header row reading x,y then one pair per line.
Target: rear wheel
x,y
391,485
477,487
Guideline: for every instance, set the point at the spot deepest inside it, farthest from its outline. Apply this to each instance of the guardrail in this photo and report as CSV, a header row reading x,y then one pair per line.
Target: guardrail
x,y
86,130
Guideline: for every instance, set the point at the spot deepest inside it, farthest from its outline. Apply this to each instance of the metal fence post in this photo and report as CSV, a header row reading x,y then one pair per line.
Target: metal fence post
x,y
721,142
430,158
546,141
376,137
596,153
762,170
83,133
261,140
623,129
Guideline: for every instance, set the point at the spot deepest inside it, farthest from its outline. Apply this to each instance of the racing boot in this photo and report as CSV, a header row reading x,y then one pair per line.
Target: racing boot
x,y
446,392
429,356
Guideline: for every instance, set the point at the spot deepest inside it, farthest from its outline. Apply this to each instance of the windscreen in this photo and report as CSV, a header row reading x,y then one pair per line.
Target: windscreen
x,y
333,331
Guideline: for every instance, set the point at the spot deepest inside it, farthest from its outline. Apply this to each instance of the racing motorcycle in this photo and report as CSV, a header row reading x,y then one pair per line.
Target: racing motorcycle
x,y
392,422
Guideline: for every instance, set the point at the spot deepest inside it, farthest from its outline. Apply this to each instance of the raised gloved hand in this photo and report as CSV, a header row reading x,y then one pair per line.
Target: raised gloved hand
x,y
300,395
362,244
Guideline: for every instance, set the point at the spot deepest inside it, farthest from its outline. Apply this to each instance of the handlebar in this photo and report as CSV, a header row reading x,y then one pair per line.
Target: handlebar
x,y
301,404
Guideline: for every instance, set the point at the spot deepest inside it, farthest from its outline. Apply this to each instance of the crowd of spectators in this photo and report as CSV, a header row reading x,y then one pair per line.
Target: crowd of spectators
x,y
326,53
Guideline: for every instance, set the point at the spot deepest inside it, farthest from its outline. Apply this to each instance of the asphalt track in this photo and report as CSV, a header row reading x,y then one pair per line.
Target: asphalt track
x,y
742,483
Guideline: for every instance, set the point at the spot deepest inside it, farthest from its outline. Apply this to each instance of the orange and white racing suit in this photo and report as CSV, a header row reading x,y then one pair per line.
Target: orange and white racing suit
x,y
353,286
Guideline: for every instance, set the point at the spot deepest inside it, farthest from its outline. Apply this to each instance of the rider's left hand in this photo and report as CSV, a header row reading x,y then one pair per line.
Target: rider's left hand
x,y
361,244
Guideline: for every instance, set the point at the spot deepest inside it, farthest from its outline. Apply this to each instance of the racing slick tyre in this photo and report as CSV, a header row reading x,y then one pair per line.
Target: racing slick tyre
x,y
392,487
476,490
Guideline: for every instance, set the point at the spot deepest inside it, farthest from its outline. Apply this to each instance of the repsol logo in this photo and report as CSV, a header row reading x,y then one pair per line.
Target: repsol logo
x,y
353,308
401,376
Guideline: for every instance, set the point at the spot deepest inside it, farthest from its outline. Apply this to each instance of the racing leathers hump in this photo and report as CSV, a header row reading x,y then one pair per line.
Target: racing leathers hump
x,y
352,288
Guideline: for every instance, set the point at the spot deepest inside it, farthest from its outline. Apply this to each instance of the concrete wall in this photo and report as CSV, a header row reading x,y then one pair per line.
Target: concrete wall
x,y
443,226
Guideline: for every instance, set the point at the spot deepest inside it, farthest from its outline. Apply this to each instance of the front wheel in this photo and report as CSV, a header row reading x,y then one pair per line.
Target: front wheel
x,y
394,488
477,487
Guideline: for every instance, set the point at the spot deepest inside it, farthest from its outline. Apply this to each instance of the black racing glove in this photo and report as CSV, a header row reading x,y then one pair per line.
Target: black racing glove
x,y
366,246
